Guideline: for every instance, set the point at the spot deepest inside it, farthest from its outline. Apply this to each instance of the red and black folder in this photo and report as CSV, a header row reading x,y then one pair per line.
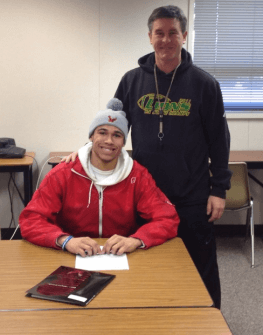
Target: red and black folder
x,y
70,285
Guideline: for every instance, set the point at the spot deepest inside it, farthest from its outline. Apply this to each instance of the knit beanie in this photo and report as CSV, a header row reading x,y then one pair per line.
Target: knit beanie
x,y
112,116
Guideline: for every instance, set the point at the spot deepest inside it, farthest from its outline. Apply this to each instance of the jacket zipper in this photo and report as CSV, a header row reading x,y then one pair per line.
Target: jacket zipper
x,y
100,212
100,203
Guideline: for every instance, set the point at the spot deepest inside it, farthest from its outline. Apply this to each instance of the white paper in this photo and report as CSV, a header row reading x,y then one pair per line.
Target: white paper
x,y
102,262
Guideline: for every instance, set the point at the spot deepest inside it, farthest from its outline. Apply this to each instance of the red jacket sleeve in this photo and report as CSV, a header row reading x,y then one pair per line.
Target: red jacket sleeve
x,y
153,206
37,220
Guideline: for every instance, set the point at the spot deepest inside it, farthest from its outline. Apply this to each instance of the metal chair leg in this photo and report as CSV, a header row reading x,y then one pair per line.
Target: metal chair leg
x,y
252,230
248,222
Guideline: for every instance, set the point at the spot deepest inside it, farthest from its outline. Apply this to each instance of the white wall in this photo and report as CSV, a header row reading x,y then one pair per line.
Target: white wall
x,y
60,62
49,72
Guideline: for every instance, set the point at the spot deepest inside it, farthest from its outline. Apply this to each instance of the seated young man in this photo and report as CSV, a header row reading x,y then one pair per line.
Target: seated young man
x,y
100,194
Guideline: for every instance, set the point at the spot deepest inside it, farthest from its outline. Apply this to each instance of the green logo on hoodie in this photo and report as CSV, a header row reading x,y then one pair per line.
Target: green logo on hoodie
x,y
180,108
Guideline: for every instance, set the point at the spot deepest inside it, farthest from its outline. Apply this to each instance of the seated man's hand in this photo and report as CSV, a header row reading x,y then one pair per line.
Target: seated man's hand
x,y
82,246
118,245
72,157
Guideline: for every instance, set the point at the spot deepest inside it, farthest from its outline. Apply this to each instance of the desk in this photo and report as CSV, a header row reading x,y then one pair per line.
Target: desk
x,y
151,321
21,165
162,276
254,160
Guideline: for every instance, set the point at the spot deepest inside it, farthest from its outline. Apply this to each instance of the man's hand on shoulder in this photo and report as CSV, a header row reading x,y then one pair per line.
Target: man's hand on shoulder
x,y
118,245
72,157
215,207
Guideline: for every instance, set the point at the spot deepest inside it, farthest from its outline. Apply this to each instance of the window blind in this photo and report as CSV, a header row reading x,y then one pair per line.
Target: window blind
x,y
228,43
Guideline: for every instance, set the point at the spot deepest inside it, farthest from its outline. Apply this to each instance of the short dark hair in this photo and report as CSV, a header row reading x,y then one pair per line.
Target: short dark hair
x,y
168,12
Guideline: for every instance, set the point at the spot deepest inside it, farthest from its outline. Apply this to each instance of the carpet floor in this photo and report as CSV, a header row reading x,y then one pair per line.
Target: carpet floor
x,y
241,286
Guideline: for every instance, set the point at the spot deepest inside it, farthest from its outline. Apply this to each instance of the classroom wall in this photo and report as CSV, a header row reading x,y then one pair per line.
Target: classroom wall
x,y
60,62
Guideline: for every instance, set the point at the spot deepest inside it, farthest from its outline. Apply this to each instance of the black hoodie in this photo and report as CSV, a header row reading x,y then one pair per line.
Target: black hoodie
x,y
195,129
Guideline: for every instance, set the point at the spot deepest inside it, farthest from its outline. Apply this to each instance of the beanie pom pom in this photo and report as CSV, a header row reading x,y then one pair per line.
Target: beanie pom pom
x,y
115,104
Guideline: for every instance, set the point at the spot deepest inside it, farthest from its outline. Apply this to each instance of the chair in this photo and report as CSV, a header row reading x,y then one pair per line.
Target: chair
x,y
239,198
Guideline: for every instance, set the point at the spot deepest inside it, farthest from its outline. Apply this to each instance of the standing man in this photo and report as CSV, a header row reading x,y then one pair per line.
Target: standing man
x,y
177,119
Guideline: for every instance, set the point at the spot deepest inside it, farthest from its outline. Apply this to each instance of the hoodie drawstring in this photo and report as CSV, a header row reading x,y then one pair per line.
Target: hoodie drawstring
x,y
90,193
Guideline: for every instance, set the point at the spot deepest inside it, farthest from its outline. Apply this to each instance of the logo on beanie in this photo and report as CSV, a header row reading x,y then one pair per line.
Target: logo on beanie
x,y
112,120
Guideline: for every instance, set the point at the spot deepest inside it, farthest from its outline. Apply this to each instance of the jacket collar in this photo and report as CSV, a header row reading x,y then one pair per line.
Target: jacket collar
x,y
121,171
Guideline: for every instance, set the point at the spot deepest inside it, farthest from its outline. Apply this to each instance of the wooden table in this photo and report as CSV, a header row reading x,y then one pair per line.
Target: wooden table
x,y
21,165
162,276
151,321
254,159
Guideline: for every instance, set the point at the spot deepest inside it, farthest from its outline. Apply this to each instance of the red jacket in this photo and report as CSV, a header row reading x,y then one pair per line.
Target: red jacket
x,y
67,202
